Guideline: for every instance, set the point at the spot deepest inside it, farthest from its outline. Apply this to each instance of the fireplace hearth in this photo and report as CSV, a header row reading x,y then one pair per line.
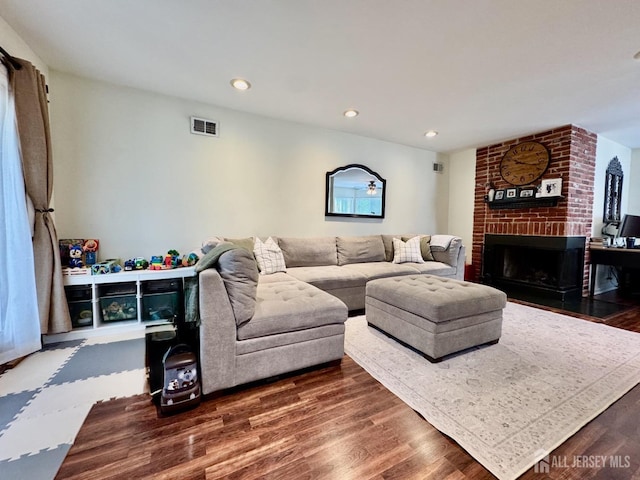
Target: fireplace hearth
x,y
547,266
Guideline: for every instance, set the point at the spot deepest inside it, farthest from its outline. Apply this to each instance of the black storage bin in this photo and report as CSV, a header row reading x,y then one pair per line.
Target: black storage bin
x,y
118,302
162,300
80,306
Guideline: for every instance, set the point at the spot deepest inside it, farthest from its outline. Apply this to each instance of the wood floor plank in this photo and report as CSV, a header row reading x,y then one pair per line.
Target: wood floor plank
x,y
334,422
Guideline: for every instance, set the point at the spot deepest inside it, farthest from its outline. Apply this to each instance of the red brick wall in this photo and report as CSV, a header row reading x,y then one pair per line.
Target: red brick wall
x,y
572,158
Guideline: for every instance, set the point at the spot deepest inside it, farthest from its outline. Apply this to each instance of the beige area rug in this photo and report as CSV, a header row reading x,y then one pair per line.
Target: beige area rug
x,y
512,403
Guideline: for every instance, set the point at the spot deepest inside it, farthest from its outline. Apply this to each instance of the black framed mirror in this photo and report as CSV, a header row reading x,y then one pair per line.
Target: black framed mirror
x,y
355,191
613,192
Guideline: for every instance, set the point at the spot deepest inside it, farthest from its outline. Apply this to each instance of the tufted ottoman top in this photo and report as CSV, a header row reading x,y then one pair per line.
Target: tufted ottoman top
x,y
435,298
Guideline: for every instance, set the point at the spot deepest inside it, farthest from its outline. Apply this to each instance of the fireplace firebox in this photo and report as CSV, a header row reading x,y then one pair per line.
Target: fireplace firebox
x,y
547,266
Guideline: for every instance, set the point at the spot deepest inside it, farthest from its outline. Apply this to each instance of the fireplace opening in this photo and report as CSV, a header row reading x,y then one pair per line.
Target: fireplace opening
x,y
546,266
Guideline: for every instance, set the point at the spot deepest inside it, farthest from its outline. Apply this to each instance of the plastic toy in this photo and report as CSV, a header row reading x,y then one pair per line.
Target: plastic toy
x,y
75,256
190,259
90,248
141,263
137,263
108,266
156,262
175,258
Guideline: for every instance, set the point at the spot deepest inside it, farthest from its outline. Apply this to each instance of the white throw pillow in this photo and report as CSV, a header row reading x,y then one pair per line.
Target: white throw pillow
x,y
269,256
408,251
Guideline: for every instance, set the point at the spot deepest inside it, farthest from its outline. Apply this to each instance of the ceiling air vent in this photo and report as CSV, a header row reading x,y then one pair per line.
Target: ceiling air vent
x,y
202,126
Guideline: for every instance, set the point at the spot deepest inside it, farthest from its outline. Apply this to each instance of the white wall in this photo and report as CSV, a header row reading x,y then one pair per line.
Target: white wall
x,y
16,47
605,151
462,181
129,172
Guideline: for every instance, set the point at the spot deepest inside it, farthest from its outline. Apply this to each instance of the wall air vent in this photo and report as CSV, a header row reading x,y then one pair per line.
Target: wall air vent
x,y
438,167
202,126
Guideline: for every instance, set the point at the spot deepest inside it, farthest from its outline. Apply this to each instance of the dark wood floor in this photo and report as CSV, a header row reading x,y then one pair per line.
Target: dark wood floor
x,y
331,423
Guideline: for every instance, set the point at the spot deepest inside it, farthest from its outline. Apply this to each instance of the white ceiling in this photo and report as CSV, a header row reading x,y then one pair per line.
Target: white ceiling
x,y
477,71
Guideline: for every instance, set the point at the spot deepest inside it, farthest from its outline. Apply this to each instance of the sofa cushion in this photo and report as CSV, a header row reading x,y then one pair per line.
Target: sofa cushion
x,y
387,241
308,252
425,246
269,256
246,243
239,272
360,249
375,270
436,268
445,248
275,277
329,277
285,307
408,251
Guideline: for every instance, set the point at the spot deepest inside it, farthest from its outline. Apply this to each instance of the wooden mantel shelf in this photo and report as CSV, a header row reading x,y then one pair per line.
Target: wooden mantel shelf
x,y
536,202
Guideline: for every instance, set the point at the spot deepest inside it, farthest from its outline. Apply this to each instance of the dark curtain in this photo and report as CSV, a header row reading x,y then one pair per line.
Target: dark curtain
x,y
29,88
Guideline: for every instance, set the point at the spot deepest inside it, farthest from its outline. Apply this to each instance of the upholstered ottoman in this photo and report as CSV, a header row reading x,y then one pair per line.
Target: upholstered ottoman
x,y
436,316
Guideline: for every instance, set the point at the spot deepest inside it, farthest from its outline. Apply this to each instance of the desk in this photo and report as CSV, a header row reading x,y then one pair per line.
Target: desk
x,y
617,257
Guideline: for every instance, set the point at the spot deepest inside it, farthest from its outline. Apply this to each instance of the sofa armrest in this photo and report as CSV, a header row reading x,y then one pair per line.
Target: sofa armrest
x,y
460,265
449,249
217,333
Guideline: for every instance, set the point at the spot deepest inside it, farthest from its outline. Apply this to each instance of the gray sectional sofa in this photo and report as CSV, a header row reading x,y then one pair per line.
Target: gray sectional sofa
x,y
254,326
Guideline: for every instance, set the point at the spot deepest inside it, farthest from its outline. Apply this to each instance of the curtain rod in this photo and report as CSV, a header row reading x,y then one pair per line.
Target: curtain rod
x,y
10,59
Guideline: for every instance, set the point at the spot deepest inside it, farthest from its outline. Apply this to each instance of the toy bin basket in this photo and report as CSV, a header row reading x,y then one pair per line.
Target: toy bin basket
x,y
118,302
181,386
162,300
80,306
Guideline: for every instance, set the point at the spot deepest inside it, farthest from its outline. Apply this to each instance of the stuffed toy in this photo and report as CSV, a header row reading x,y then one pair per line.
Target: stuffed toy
x,y
75,256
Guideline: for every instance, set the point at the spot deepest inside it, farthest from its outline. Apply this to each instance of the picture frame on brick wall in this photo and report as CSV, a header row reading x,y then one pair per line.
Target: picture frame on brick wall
x,y
512,192
527,192
551,187
499,195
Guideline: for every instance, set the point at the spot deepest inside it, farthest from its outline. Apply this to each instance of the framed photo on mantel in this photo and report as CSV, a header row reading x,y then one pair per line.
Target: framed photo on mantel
x,y
551,187
527,192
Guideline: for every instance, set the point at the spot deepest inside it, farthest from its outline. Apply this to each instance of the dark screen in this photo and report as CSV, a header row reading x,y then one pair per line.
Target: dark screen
x,y
630,226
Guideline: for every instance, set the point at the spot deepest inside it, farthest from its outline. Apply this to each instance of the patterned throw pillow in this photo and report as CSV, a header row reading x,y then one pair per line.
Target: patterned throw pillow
x,y
269,256
408,251
425,247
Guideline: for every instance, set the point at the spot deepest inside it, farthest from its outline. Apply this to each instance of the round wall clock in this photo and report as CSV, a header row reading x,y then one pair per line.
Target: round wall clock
x,y
524,163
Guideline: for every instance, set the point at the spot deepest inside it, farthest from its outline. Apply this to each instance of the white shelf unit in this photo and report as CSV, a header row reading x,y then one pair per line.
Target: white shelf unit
x,y
98,325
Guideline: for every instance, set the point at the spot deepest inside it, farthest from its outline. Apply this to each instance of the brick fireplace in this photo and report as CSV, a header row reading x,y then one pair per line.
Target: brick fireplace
x,y
572,158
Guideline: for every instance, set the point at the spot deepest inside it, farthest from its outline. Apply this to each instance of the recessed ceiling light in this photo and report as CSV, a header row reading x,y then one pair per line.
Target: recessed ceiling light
x,y
430,134
240,84
351,113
